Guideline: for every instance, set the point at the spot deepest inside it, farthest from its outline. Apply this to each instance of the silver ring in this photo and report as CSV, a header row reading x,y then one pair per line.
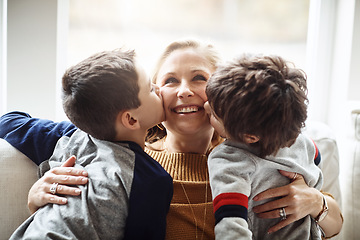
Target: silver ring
x,y
282,213
53,188
294,177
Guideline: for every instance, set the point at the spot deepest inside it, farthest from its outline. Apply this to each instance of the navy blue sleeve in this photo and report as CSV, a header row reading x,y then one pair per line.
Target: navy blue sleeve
x,y
34,137
150,197
317,158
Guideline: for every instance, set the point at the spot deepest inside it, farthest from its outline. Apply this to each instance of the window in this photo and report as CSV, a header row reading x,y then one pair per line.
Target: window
x,y
233,26
3,7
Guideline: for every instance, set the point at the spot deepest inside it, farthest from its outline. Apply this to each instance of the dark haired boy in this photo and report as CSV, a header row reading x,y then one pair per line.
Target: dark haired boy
x,y
259,104
111,100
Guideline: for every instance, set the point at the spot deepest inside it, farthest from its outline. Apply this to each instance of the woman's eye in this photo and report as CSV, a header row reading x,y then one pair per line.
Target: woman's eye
x,y
171,80
199,78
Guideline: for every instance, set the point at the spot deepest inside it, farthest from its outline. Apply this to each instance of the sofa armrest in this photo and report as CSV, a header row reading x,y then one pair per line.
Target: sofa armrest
x,y
351,175
325,140
17,174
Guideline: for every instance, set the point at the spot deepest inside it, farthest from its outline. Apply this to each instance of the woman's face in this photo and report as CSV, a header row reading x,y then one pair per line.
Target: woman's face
x,y
182,80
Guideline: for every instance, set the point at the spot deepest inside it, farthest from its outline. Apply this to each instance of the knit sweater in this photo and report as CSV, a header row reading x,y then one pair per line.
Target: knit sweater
x,y
189,171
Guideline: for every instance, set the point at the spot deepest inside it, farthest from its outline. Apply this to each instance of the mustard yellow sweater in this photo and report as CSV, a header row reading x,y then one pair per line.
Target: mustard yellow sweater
x,y
191,211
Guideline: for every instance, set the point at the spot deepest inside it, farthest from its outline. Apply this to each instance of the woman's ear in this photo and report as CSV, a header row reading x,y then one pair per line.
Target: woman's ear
x,y
129,120
251,138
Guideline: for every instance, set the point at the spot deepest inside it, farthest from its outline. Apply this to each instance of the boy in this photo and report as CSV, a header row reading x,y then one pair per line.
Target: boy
x,y
259,104
111,100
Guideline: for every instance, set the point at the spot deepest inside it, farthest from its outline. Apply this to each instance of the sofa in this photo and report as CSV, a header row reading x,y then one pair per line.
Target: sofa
x,y
18,173
350,184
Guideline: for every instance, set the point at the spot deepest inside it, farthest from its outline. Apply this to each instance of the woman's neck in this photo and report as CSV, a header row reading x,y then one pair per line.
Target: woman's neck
x,y
176,143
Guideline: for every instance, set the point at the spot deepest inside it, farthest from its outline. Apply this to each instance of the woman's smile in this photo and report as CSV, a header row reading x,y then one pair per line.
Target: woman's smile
x,y
187,109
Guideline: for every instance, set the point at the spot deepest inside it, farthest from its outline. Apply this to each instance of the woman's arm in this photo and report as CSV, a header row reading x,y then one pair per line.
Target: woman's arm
x,y
40,195
299,200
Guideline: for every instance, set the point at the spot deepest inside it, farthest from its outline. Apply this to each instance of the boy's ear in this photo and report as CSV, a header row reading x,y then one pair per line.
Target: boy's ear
x,y
129,120
251,138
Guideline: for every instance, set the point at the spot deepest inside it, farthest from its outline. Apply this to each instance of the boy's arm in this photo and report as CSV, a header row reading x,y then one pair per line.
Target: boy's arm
x,y
34,137
230,193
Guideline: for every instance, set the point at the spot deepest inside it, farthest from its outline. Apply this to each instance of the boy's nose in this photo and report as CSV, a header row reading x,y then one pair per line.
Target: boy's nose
x,y
207,107
156,89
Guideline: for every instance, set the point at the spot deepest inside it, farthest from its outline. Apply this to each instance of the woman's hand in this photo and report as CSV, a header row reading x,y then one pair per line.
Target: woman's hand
x,y
298,201
40,195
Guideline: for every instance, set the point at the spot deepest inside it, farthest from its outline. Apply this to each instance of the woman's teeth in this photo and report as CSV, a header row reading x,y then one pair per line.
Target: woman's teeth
x,y
187,110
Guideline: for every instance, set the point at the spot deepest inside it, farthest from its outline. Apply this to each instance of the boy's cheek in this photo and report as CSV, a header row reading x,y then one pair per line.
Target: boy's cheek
x,y
163,116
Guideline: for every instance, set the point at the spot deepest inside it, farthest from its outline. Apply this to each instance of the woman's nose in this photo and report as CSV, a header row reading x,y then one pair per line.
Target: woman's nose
x,y
185,91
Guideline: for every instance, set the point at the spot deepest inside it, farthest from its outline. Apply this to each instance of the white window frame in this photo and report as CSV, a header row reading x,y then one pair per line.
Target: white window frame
x,y
36,56
3,38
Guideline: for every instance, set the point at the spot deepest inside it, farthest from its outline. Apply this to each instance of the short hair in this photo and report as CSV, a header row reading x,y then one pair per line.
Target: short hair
x,y
213,58
260,95
98,88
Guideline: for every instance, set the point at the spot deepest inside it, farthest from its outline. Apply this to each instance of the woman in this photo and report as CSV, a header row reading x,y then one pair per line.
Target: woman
x,y
182,150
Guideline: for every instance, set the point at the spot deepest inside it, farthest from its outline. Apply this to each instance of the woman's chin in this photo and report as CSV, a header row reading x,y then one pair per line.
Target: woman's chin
x,y
189,127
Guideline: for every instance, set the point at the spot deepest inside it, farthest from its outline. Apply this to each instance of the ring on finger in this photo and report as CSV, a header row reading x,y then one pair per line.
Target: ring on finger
x,y
282,213
53,188
294,177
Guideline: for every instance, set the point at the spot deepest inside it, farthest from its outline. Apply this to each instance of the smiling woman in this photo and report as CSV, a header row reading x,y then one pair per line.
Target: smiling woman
x,y
182,73
183,145
183,90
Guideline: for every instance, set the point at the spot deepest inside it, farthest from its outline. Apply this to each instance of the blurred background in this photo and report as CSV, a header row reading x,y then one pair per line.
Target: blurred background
x,y
40,39
233,26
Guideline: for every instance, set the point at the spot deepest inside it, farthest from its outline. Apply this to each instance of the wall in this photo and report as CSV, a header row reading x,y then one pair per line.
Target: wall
x,y
34,55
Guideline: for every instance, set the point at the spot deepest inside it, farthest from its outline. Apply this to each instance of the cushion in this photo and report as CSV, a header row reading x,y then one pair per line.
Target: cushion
x,y
324,138
352,175
18,173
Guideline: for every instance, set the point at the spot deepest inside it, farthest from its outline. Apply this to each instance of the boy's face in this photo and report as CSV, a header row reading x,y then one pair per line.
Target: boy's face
x,y
215,122
151,110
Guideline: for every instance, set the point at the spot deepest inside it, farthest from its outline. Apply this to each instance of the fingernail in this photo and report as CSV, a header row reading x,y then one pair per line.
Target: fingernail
x,y
83,180
77,191
63,200
84,173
